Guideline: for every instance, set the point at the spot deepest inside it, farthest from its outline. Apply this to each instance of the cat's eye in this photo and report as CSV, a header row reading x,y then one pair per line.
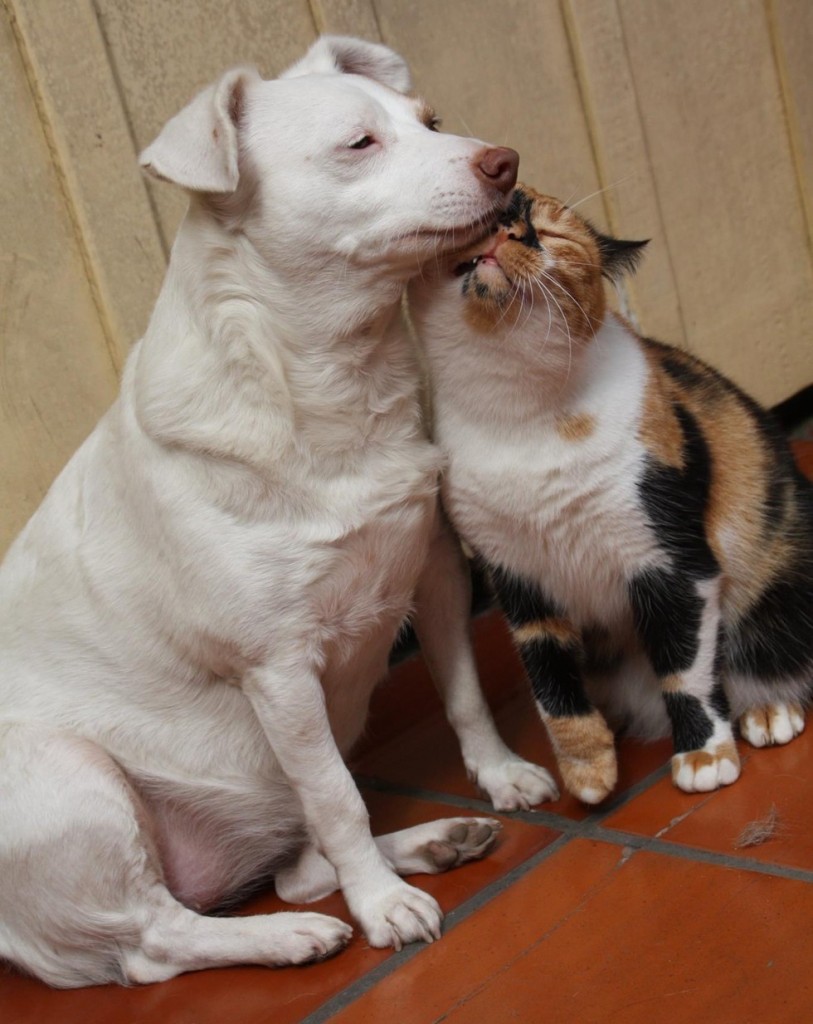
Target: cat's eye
x,y
362,143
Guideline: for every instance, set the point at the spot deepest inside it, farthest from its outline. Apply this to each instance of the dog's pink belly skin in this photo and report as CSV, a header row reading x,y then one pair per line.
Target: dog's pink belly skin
x,y
206,862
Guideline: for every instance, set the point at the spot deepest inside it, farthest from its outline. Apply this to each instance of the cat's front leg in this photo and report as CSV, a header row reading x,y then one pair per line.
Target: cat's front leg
x,y
552,653
677,619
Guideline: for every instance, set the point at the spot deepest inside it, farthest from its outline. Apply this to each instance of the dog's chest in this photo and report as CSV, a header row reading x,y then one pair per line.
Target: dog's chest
x,y
339,564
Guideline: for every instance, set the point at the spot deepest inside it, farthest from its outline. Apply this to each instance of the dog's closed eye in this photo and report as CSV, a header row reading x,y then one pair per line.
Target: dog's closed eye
x,y
362,143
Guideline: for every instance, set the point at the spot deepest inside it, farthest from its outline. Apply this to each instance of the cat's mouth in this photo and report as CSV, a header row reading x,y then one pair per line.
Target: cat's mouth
x,y
483,273
484,258
467,266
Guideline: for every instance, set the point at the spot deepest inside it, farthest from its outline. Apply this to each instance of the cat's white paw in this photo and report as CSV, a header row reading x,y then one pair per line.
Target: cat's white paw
x,y
517,785
701,771
398,915
772,724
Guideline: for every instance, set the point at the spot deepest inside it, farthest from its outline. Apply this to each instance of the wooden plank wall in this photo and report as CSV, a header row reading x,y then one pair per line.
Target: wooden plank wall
x,y
684,121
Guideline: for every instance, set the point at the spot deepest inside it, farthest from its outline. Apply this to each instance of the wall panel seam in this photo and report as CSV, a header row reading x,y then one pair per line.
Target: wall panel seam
x,y
791,127
58,164
166,244
653,176
317,16
625,289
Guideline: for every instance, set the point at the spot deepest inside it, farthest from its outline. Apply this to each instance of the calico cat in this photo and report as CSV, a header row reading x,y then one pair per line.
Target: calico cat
x,y
642,520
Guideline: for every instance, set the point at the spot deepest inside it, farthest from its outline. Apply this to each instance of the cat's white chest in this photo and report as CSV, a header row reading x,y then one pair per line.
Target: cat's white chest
x,y
555,505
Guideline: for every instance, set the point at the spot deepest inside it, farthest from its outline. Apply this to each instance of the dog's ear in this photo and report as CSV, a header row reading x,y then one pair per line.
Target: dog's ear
x,y
198,147
345,55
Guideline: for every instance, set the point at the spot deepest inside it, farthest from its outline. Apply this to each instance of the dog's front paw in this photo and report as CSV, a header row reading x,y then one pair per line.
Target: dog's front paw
x,y
701,771
302,937
399,915
517,785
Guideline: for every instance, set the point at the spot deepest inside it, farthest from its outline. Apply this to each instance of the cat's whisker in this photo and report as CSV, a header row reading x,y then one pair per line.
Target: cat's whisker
x,y
566,325
588,320
600,191
536,283
530,308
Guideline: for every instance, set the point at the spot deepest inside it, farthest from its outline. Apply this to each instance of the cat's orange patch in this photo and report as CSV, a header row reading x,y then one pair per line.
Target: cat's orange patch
x,y
672,684
763,718
560,630
728,752
740,459
483,315
585,754
698,759
576,427
659,430
580,737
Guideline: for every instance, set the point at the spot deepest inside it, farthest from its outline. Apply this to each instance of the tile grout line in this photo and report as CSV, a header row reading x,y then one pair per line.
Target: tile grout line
x,y
549,819
577,830
592,827
489,892
695,854
567,827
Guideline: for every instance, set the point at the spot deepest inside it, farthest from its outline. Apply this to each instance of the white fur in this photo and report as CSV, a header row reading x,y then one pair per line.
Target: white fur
x,y
520,494
196,615
784,723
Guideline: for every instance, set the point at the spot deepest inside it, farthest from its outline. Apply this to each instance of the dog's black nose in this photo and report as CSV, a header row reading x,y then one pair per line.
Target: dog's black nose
x,y
497,166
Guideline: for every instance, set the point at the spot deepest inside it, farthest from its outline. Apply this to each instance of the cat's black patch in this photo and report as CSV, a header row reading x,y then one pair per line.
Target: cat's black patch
x,y
519,207
667,611
774,641
553,668
480,290
556,679
618,256
683,372
519,211
601,653
521,600
719,701
793,411
675,501
691,726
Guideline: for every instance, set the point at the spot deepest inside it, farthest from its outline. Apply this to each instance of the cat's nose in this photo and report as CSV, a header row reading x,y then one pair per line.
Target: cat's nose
x,y
497,166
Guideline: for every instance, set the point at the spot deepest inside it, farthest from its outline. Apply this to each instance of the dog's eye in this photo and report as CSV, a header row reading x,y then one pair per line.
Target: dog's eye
x,y
362,143
434,124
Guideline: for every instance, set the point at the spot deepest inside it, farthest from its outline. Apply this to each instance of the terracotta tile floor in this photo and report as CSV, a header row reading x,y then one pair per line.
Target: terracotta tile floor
x,y
646,909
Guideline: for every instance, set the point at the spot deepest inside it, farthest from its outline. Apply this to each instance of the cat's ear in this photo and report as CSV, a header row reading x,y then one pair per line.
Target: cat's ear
x,y
618,257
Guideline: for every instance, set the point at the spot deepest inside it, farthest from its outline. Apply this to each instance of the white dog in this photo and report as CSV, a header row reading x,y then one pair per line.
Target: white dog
x,y
194,619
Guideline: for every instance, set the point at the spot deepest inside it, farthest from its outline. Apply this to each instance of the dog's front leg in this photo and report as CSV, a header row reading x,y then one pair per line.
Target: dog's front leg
x,y
291,708
442,612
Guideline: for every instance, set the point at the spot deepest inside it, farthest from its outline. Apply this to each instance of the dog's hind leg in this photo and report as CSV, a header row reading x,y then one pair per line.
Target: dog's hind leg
x,y
426,849
82,894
